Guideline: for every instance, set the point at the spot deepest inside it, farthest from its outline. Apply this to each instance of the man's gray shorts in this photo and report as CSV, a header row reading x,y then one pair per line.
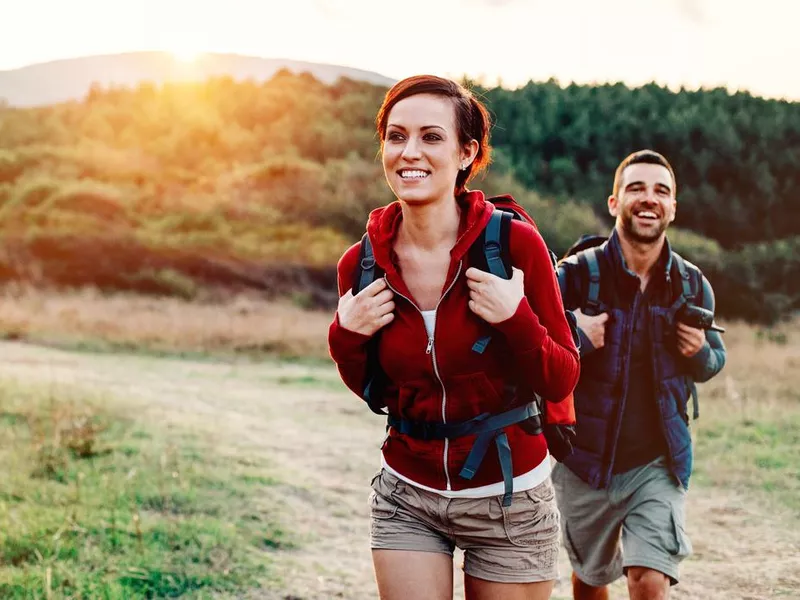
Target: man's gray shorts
x,y
642,508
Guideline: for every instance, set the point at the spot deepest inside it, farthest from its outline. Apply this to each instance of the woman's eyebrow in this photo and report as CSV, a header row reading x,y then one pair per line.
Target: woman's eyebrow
x,y
423,128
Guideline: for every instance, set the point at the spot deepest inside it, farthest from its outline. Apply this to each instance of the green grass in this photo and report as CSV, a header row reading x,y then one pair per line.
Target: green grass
x,y
310,381
275,353
759,454
94,505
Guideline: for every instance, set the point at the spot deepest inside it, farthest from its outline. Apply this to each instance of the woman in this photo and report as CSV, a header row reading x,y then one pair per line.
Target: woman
x,y
431,308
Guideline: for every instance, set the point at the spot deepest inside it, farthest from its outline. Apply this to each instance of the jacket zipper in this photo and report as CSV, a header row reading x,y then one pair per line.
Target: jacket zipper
x,y
628,336
658,379
431,349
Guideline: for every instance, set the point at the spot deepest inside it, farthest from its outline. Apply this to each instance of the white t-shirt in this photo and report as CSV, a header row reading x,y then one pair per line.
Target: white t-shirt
x,y
429,316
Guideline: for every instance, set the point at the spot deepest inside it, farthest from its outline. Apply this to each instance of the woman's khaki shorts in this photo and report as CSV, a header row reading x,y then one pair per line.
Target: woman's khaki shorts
x,y
515,544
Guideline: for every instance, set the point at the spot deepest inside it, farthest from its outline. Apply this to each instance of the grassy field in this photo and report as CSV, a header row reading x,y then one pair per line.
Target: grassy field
x,y
234,326
151,473
748,434
98,505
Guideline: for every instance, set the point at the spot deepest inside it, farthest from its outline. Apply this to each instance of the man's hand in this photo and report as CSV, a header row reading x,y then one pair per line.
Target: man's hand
x,y
594,328
690,340
367,311
494,299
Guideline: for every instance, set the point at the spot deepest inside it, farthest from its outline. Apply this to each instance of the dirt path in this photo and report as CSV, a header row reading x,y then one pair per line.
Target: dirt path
x,y
321,440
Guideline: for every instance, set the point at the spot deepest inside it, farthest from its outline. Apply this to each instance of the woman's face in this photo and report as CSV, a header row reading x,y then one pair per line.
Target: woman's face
x,y
421,151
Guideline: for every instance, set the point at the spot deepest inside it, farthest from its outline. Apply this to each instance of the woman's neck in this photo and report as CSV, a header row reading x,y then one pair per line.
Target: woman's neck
x,y
430,226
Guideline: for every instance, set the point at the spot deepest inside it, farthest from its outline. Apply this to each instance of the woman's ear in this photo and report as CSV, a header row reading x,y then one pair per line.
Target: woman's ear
x,y
469,152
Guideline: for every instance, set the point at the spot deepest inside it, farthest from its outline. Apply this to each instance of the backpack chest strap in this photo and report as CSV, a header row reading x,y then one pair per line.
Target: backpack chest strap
x,y
487,427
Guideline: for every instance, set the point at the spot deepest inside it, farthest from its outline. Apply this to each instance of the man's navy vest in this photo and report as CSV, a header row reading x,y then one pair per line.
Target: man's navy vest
x,y
601,392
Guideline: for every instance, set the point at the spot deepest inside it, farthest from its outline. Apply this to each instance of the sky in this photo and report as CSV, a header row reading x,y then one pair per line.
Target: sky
x,y
738,44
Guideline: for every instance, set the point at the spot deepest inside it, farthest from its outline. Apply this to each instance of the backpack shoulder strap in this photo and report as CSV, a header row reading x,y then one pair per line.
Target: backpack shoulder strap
x,y
367,269
490,251
495,243
690,281
590,260
686,281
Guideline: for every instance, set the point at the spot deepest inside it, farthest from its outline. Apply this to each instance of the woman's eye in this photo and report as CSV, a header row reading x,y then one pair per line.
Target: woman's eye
x,y
432,137
394,137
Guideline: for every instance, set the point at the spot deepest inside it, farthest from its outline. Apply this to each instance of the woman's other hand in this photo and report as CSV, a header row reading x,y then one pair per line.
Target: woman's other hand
x,y
494,299
367,311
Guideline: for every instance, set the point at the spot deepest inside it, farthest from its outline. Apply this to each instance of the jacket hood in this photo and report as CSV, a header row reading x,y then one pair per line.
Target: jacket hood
x,y
384,224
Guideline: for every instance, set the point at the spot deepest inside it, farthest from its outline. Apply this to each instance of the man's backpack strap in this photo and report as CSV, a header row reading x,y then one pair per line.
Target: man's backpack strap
x,y
688,294
683,272
592,265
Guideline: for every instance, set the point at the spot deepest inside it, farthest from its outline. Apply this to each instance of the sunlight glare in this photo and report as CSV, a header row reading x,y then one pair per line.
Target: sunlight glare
x,y
185,47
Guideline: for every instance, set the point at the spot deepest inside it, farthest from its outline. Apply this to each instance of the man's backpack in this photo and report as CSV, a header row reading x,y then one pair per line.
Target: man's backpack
x,y
686,282
490,252
589,250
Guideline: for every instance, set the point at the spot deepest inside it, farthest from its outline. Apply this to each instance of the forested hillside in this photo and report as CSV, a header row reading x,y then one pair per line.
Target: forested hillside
x,y
225,185
737,157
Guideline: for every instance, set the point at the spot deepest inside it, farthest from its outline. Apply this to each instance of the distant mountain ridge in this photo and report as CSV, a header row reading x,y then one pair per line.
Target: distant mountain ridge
x,y
70,79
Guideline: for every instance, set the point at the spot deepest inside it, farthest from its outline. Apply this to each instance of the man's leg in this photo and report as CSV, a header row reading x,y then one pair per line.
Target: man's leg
x,y
591,531
584,591
647,584
653,534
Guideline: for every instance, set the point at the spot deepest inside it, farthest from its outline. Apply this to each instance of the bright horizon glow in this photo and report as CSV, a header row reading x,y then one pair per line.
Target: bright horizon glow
x,y
674,43
186,51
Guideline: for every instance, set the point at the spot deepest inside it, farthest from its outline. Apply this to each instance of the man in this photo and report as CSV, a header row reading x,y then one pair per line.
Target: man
x,y
627,477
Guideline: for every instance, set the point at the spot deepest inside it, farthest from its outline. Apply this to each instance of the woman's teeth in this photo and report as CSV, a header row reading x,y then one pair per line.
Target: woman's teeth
x,y
413,174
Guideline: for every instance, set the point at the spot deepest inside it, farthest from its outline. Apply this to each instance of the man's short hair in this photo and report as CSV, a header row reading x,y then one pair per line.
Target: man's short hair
x,y
648,157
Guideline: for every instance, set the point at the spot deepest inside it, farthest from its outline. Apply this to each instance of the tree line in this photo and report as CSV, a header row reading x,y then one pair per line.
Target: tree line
x,y
243,184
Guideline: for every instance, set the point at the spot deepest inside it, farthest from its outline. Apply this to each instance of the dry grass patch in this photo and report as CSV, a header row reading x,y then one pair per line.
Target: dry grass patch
x,y
748,433
241,325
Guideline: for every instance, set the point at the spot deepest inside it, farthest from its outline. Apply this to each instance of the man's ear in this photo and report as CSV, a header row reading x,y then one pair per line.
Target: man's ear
x,y
613,205
674,209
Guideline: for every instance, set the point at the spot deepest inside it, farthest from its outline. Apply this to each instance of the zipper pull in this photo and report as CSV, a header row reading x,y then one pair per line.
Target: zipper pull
x,y
430,346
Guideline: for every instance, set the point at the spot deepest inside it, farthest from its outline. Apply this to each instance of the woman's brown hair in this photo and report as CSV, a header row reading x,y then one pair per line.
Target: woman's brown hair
x,y
472,118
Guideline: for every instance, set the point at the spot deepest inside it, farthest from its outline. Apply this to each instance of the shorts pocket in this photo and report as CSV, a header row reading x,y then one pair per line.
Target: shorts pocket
x,y
375,478
533,518
381,508
571,546
544,492
681,545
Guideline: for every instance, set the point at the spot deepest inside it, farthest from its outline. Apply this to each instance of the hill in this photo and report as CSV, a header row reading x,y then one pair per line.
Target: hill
x,y
70,79
228,185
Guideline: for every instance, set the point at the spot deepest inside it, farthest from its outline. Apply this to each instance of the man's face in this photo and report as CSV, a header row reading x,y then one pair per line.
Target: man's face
x,y
645,204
